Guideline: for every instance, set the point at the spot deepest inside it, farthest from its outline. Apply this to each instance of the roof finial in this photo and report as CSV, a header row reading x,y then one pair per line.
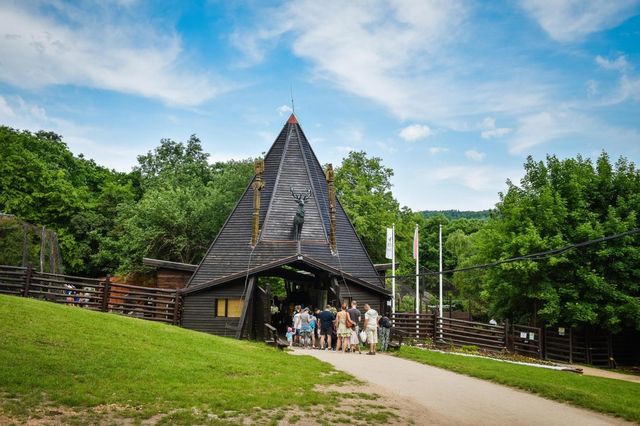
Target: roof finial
x,y
293,108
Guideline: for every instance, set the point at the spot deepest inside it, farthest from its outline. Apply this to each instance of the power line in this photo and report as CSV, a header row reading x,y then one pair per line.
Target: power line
x,y
533,256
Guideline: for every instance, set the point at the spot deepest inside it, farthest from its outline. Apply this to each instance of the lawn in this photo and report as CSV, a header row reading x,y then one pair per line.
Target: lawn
x,y
101,364
605,395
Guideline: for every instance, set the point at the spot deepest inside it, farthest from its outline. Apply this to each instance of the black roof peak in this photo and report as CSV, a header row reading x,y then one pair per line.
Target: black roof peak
x,y
290,162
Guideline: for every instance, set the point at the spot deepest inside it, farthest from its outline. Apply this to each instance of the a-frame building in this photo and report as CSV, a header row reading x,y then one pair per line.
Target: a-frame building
x,y
326,262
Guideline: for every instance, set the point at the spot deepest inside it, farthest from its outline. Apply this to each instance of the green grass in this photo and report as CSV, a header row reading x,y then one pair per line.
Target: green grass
x,y
610,396
55,355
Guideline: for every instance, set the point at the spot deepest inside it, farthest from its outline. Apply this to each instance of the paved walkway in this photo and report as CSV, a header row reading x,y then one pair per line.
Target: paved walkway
x,y
451,398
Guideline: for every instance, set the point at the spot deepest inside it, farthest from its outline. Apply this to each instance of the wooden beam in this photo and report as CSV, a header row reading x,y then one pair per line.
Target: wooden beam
x,y
288,274
245,308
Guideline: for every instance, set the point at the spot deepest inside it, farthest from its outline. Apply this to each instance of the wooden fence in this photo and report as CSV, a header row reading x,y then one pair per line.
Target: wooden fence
x,y
526,341
450,331
150,303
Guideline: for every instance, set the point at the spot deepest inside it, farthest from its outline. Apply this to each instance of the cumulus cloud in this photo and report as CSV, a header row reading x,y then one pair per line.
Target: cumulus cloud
x,y
100,50
415,132
437,150
490,130
563,124
476,178
573,20
284,110
619,64
474,155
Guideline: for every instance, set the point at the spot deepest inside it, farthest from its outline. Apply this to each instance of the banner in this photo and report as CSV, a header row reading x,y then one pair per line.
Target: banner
x,y
415,243
389,252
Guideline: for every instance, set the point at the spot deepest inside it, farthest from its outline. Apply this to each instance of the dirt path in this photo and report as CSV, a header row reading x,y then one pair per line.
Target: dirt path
x,y
597,372
450,398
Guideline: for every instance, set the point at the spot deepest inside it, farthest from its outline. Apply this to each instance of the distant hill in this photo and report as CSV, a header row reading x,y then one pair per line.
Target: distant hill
x,y
458,214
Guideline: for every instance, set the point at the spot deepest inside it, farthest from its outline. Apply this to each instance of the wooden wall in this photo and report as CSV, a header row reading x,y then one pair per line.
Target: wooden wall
x,y
172,278
198,309
363,295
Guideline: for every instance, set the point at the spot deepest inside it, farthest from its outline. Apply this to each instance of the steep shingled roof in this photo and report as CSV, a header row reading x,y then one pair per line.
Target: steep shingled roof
x,y
290,162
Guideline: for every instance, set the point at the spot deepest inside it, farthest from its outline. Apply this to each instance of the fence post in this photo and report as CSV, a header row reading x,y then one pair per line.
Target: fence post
x,y
176,307
506,334
541,342
436,336
27,280
105,293
570,346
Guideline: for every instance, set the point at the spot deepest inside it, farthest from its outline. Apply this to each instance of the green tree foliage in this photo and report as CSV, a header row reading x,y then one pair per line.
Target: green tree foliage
x,y
184,204
560,202
43,183
363,186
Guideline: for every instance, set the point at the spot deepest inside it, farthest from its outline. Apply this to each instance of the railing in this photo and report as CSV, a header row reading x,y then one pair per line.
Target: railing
x,y
459,332
90,293
415,326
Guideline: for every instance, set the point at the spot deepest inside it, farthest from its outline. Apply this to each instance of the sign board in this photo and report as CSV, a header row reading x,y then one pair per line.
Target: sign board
x,y
523,334
532,336
561,331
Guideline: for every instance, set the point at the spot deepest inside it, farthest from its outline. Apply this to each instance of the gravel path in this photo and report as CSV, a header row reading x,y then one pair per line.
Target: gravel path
x,y
451,398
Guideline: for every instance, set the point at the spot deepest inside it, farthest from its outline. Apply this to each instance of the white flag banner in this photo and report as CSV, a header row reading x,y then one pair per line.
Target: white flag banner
x,y
416,244
389,252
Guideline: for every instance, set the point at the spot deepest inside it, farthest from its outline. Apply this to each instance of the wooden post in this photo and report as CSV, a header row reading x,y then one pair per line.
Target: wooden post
x,y
176,307
506,334
245,308
25,244
436,335
42,245
105,293
570,346
332,208
541,342
257,186
27,280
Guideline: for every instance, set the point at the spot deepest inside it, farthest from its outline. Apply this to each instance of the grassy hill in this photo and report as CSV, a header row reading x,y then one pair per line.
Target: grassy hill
x,y
77,366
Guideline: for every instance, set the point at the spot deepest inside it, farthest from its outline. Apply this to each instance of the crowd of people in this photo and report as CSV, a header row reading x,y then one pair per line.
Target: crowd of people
x,y
345,330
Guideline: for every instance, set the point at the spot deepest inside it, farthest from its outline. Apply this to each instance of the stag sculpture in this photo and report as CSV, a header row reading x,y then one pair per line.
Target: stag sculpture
x,y
300,198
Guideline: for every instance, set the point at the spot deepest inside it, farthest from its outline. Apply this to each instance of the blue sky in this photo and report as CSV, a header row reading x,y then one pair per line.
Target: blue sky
x,y
453,95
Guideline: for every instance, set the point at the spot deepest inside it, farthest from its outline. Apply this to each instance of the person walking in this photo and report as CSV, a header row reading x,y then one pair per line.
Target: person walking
x,y
305,328
326,327
355,316
343,331
384,331
296,324
371,319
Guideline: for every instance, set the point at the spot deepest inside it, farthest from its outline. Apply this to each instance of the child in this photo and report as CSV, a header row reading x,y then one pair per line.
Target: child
x,y
290,336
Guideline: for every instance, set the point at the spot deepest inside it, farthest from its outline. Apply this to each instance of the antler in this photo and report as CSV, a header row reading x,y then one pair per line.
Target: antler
x,y
307,195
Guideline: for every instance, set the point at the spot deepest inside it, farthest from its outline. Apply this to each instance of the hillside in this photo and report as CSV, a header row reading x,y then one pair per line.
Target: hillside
x,y
90,367
458,214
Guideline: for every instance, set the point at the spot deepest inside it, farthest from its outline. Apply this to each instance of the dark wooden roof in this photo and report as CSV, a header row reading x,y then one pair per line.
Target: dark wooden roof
x,y
157,263
289,163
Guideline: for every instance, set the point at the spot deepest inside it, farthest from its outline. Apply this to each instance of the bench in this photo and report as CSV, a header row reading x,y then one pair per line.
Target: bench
x,y
273,339
395,338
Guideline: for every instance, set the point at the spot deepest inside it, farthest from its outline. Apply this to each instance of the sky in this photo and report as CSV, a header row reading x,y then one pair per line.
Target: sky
x,y
453,95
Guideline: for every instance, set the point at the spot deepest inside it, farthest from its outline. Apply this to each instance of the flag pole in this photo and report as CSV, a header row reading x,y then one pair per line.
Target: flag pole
x,y
393,269
440,270
417,256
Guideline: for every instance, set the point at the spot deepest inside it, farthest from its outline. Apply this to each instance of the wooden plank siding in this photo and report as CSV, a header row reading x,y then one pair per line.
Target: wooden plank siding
x,y
199,309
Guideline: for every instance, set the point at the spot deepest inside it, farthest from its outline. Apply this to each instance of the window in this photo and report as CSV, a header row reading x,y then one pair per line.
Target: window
x,y
231,308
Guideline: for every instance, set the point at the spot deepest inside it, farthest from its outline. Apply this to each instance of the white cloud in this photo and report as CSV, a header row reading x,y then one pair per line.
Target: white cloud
x,y
476,178
415,132
284,110
490,129
5,110
563,124
592,88
474,155
98,50
619,64
573,20
437,150
21,114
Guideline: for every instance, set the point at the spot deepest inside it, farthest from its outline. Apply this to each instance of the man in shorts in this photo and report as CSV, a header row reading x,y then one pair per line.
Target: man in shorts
x,y
326,327
371,319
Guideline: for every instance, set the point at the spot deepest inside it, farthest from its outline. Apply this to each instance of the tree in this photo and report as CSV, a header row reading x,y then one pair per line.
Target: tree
x,y
561,202
363,186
